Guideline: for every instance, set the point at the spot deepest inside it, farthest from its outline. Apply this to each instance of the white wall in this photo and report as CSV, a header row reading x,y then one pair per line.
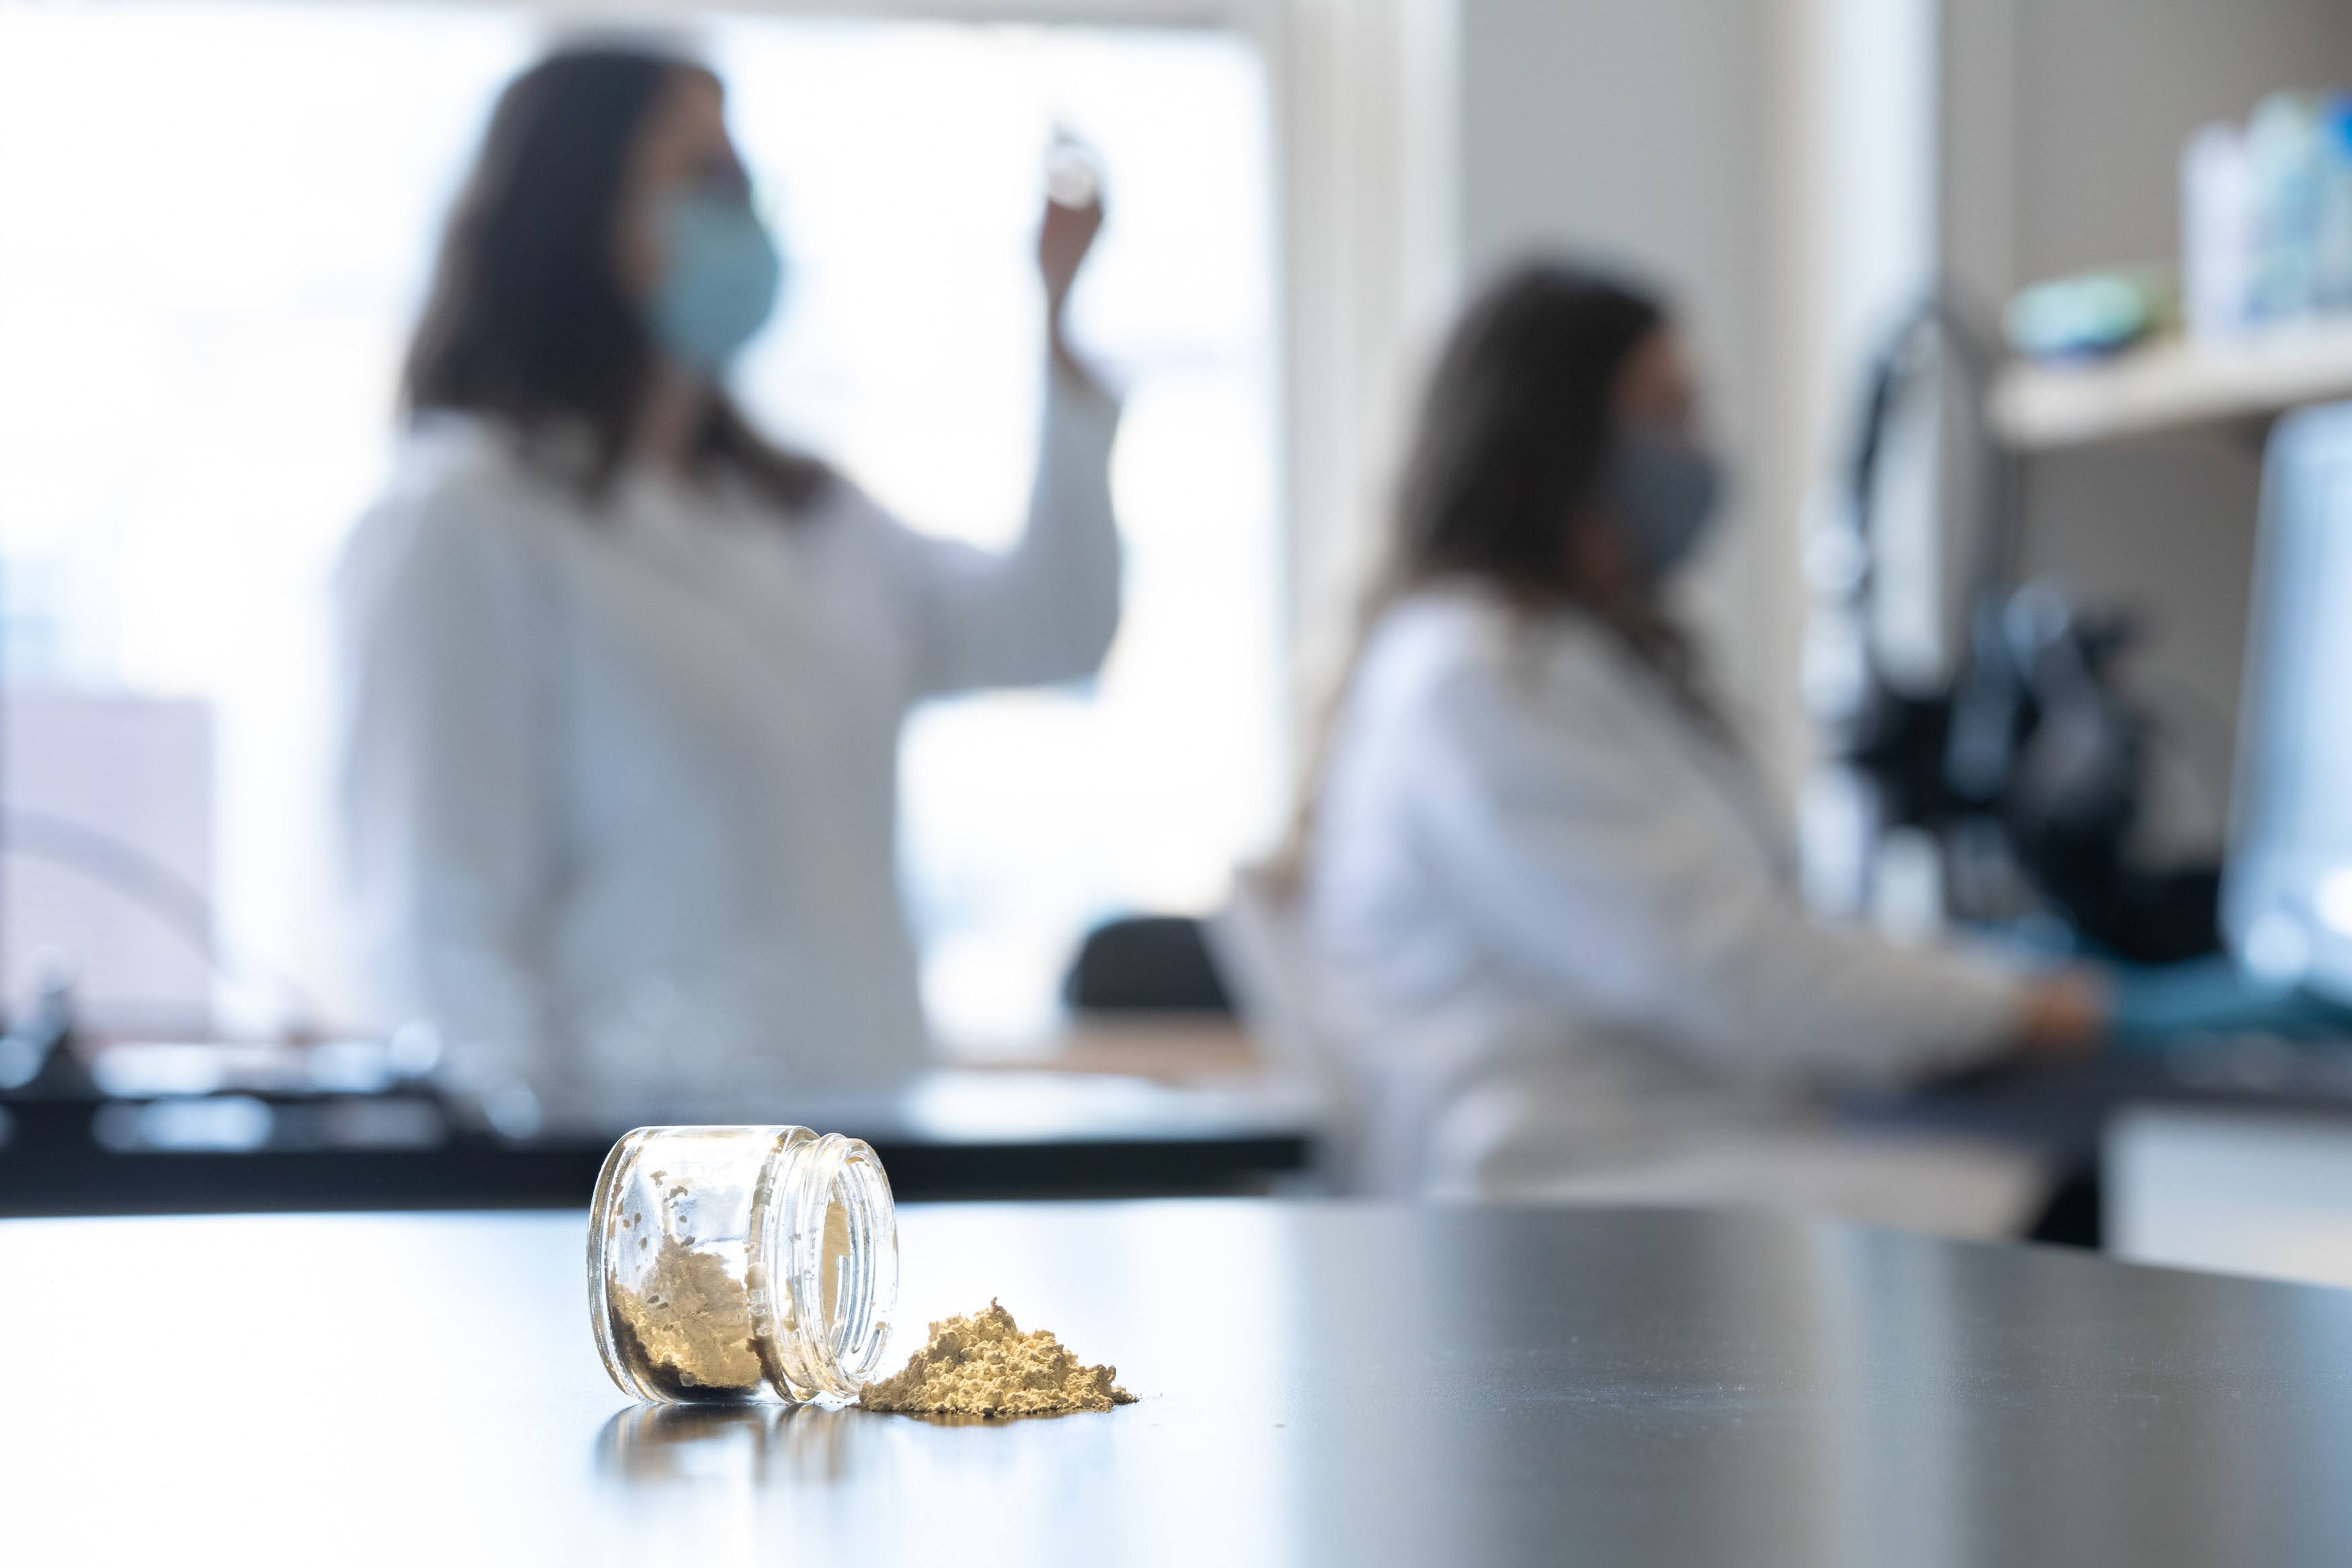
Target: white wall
x,y
1638,134
2063,122
1372,245
1769,163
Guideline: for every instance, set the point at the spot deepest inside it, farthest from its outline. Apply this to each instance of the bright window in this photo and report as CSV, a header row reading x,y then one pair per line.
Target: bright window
x,y
222,216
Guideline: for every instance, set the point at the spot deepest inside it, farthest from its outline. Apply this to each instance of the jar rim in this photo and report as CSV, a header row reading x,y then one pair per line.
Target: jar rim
x,y
819,1349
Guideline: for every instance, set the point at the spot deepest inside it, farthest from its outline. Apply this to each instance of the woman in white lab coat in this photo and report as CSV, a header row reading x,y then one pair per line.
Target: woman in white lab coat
x,y
623,680
1555,921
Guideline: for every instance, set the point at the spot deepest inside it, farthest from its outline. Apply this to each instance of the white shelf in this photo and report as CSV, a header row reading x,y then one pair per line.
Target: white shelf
x,y
2173,386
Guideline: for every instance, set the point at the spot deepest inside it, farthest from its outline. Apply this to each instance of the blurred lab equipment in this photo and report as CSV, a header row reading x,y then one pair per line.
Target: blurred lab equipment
x,y
2025,764
2264,1023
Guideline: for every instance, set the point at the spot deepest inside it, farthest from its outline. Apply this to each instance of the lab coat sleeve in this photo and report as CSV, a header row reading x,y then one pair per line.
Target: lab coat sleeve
x,y
1045,609
446,724
1629,892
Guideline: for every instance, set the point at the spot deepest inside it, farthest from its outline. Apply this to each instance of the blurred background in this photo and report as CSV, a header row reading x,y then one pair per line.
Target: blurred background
x,y
258,269
221,222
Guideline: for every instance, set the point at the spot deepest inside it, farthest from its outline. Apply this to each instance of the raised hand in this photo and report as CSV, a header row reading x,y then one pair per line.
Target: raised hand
x,y
1074,217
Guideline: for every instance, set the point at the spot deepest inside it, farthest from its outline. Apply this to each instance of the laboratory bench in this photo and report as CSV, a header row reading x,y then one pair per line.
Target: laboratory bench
x,y
2064,1111
1318,1383
1144,1106
1147,1108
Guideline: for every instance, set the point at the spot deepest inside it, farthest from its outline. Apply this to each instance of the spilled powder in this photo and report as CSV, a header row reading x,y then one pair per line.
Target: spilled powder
x,y
985,1365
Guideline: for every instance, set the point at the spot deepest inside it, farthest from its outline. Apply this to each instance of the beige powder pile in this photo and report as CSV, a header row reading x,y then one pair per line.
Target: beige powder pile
x,y
985,1365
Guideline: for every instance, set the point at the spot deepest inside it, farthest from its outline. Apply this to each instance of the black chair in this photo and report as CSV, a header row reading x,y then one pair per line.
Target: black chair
x,y
1146,963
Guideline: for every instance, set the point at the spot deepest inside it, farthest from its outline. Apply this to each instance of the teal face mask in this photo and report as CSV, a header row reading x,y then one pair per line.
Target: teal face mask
x,y
720,277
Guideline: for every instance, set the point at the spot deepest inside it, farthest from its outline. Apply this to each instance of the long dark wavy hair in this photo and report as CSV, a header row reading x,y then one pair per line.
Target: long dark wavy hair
x,y
1506,462
527,320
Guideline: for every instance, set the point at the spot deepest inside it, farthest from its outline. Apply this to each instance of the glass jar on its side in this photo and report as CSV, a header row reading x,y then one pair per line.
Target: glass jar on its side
x,y
728,1265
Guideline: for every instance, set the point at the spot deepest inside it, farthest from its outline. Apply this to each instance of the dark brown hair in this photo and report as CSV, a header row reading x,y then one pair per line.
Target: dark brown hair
x,y
527,320
1507,460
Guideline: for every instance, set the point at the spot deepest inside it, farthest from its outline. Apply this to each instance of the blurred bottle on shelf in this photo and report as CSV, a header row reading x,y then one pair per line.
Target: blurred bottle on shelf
x,y
2332,229
2217,238
2266,217
2283,153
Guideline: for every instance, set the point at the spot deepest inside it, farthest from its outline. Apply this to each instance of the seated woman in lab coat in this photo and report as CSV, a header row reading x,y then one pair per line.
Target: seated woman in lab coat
x,y
1554,919
623,680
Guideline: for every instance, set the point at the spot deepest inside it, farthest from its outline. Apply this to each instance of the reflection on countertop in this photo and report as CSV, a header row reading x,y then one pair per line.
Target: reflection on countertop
x,y
660,1445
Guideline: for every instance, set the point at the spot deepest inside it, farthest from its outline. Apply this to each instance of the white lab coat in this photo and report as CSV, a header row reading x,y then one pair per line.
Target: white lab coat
x,y
620,783
1563,952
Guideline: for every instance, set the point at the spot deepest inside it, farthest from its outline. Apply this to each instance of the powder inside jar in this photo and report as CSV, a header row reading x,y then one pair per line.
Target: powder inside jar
x,y
692,1323
832,1260
985,1365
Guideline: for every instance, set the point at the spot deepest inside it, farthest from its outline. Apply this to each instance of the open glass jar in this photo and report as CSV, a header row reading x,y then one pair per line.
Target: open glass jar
x,y
728,1265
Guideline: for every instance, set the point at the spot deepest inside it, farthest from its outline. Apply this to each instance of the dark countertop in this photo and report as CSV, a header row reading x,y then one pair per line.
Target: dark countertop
x,y
1319,1384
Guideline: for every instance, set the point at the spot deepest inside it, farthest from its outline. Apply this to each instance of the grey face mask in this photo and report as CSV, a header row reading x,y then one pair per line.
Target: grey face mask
x,y
1666,491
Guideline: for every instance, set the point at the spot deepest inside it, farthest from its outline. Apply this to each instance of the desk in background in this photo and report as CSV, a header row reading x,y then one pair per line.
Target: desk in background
x,y
1152,1109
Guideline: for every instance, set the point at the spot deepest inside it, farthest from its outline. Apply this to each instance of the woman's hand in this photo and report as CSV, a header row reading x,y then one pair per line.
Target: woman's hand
x,y
1064,239
2062,1014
